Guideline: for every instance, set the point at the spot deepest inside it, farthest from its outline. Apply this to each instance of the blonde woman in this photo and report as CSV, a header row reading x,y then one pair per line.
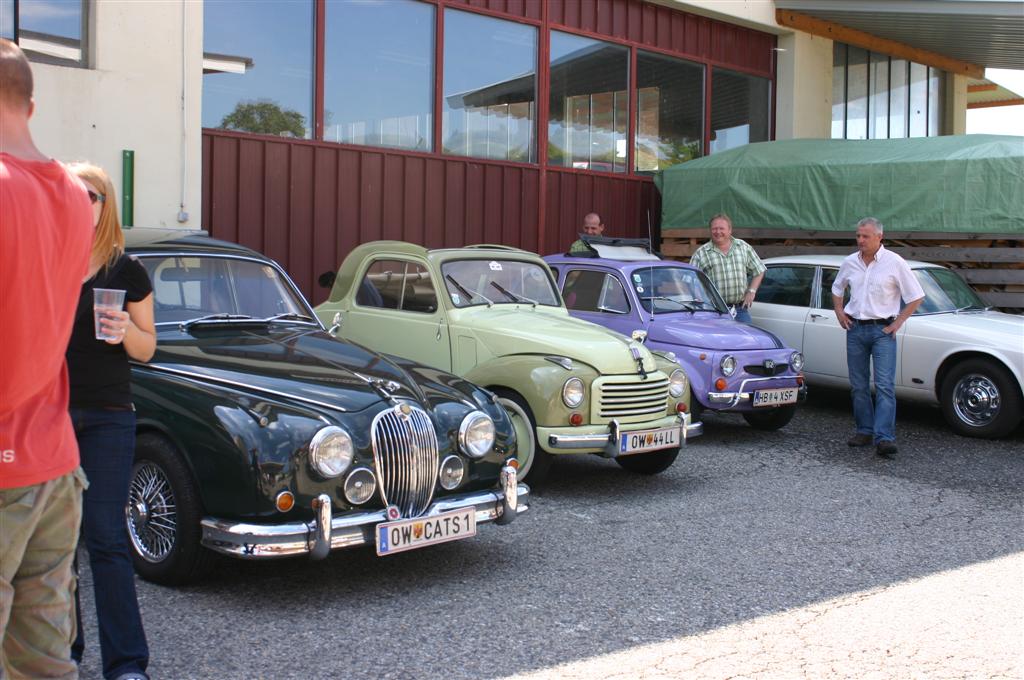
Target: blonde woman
x,y
104,422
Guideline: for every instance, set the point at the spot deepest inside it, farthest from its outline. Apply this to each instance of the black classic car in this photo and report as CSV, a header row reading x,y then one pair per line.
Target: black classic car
x,y
260,435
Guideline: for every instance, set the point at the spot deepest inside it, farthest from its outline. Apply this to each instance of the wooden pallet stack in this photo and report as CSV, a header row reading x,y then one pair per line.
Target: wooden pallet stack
x,y
992,263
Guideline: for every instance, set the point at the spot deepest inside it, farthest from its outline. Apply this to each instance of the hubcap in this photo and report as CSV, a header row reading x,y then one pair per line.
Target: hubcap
x,y
151,514
976,400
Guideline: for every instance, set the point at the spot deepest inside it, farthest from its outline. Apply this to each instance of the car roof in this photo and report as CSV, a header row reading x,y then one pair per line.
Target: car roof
x,y
621,265
832,261
140,240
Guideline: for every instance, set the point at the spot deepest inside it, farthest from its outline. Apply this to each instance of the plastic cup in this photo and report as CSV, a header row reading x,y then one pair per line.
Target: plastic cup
x,y
105,300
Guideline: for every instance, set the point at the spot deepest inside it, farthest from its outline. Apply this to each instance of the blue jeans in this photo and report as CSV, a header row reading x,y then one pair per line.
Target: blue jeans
x,y
866,344
743,314
106,441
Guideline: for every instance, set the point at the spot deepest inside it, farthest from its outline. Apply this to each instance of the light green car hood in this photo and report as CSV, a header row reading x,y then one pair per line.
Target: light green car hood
x,y
520,329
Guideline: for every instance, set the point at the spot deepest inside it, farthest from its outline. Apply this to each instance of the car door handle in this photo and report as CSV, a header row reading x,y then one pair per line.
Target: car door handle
x,y
817,316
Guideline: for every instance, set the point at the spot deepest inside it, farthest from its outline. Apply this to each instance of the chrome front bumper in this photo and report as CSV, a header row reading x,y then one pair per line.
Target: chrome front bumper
x,y
326,533
609,441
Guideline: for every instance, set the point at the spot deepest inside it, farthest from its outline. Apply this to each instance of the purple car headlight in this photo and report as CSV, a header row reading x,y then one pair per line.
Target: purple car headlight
x,y
796,361
728,365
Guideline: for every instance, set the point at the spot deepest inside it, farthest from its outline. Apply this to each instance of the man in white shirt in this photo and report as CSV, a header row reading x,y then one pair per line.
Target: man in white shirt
x,y
878,280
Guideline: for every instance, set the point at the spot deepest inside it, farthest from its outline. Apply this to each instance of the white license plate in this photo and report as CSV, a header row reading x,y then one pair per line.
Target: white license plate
x,y
778,397
649,440
409,534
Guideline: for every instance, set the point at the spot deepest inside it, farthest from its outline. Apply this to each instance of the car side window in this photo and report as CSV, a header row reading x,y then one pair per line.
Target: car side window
x,y
398,285
828,277
586,290
787,285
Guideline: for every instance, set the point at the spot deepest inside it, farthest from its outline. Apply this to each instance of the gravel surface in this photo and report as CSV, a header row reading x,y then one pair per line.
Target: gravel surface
x,y
779,554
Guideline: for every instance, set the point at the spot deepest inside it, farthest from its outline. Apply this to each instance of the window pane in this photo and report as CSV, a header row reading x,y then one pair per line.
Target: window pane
x,y
591,291
857,94
838,90
490,80
48,28
898,98
670,111
878,125
787,286
419,295
589,103
7,19
936,89
918,100
379,73
740,109
258,66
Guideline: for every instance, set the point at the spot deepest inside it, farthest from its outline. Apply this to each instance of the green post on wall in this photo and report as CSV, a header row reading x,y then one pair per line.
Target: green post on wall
x,y
127,188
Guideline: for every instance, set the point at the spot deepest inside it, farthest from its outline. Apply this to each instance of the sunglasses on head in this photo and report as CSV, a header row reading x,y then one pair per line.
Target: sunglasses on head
x,y
94,197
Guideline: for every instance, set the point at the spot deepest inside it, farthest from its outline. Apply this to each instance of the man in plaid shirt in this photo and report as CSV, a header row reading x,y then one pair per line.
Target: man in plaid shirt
x,y
730,263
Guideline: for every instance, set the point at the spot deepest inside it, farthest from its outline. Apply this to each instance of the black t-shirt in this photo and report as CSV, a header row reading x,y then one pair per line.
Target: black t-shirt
x,y
98,372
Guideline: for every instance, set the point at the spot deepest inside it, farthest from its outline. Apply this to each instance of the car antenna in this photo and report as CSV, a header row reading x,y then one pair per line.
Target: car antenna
x,y
650,269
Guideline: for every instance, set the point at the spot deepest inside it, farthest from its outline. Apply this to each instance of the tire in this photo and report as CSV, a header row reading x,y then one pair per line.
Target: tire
x,y
163,515
980,399
696,408
649,463
773,419
534,462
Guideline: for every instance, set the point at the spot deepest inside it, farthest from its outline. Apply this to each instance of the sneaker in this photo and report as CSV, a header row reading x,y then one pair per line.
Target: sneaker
x,y
859,440
886,449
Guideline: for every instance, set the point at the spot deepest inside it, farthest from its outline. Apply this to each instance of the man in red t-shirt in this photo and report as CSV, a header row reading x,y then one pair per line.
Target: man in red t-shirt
x,y
45,239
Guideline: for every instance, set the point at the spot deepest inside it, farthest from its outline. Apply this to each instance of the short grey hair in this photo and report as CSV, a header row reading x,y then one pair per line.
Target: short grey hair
x,y
872,221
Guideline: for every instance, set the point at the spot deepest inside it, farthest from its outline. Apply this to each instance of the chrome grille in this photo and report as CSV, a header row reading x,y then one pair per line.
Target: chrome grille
x,y
630,398
406,454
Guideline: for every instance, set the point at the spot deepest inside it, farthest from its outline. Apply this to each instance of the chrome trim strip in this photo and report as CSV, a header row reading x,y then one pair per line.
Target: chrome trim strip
x,y
232,383
266,541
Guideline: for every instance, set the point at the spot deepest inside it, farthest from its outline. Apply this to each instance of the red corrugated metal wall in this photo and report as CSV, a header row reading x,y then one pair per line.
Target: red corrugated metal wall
x,y
308,203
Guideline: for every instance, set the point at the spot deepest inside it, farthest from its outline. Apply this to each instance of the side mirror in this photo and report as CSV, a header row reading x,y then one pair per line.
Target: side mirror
x,y
639,336
326,280
335,324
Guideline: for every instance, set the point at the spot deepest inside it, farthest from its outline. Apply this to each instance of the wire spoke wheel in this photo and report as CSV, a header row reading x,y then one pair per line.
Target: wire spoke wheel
x,y
152,514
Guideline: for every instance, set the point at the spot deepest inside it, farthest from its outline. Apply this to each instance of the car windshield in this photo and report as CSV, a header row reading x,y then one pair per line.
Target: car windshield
x,y
192,287
481,282
675,289
945,291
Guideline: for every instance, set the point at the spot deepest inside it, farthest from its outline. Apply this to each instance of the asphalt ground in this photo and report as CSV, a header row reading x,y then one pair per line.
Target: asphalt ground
x,y
782,554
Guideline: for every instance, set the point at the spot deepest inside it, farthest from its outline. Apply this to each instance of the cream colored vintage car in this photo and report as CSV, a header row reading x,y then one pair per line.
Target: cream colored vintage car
x,y
954,351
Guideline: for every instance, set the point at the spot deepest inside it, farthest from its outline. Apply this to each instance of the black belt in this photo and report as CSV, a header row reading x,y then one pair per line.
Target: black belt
x,y
875,322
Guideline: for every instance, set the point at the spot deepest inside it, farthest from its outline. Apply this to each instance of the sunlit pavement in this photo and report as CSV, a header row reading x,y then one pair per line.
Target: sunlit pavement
x,y
964,623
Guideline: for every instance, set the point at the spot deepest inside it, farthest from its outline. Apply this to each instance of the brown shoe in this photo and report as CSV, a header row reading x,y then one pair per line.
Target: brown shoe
x,y
860,440
886,449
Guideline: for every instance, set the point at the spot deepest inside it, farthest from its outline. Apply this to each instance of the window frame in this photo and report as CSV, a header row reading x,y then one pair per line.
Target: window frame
x,y
388,257
84,43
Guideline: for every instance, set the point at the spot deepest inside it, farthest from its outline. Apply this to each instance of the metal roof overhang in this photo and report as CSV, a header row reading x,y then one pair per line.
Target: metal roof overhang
x,y
985,33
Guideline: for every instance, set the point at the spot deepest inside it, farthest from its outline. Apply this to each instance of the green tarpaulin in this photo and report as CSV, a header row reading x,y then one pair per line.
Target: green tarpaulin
x,y
968,183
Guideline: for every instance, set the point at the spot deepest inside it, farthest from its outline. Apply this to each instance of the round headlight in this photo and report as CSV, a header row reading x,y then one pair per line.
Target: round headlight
x,y
677,383
331,451
728,365
451,472
796,360
476,434
360,485
572,392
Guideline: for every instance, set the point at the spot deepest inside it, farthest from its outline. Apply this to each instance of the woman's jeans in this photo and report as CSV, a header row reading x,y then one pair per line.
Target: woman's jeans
x,y
866,344
106,441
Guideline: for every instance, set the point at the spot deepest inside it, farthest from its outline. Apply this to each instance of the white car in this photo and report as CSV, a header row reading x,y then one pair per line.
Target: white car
x,y
953,351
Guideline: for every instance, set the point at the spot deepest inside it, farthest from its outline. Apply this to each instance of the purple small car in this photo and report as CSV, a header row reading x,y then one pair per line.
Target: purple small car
x,y
732,367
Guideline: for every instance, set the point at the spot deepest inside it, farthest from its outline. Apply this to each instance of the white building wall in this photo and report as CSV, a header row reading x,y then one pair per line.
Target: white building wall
x,y
142,63
803,102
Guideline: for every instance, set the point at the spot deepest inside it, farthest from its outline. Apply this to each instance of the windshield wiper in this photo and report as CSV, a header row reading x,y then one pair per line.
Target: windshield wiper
x,y
970,307
512,296
685,304
465,291
214,318
288,316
